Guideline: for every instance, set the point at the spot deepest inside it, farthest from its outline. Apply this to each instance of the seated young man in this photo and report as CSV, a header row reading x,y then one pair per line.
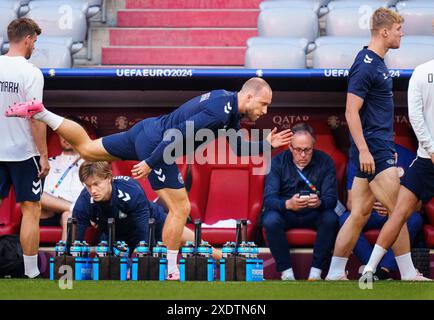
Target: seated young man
x,y
123,199
378,218
62,187
301,169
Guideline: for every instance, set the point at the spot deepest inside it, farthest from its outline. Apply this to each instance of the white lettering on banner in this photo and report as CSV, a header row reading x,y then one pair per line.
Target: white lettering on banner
x,y
287,121
402,119
336,73
154,73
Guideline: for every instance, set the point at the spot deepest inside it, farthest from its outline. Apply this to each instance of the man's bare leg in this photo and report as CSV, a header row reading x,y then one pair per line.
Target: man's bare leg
x,y
188,235
76,135
394,233
385,187
64,222
362,202
51,204
177,202
29,236
54,204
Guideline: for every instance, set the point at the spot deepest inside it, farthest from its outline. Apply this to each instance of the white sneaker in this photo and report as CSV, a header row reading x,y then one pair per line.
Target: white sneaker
x,y
287,275
342,277
419,277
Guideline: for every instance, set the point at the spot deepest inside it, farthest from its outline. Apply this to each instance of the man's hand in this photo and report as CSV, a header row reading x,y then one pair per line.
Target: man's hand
x,y
141,170
45,167
279,139
367,163
296,203
378,206
432,158
314,201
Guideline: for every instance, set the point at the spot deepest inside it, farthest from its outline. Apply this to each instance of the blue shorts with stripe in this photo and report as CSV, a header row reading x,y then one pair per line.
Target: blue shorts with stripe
x,y
383,152
23,176
138,143
419,179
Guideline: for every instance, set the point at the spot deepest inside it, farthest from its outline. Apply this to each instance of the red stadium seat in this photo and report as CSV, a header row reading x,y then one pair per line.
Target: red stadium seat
x,y
428,229
10,215
226,191
51,235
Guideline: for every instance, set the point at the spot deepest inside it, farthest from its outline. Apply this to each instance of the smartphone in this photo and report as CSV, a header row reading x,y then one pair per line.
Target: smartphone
x,y
304,194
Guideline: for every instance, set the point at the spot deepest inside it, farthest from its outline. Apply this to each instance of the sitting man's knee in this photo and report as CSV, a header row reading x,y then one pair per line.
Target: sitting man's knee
x,y
330,218
271,220
415,220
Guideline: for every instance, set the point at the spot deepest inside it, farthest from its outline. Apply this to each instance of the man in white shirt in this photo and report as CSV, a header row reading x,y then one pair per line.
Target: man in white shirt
x,y
62,187
23,148
418,182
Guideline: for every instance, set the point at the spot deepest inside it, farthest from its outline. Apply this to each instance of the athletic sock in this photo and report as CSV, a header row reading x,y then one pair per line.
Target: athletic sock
x,y
406,267
31,266
315,273
51,119
337,268
172,257
377,254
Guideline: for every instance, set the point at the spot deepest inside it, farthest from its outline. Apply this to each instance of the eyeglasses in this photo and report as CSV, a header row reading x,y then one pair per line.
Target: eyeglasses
x,y
305,150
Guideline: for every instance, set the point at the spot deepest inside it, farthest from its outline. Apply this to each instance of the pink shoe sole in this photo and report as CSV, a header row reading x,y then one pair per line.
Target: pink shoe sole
x,y
25,110
173,276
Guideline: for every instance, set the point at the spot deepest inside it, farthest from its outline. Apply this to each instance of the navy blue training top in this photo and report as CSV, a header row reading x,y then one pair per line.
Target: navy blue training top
x,y
128,206
370,80
214,110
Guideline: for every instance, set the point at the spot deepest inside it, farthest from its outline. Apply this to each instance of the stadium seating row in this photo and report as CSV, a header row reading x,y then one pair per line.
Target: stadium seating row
x,y
218,192
331,52
64,24
281,45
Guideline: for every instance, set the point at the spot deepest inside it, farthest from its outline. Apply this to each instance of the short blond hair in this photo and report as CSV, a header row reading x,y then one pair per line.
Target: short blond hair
x,y
384,18
100,169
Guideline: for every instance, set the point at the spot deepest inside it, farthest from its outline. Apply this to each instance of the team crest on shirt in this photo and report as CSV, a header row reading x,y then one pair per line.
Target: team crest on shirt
x,y
367,59
180,178
205,96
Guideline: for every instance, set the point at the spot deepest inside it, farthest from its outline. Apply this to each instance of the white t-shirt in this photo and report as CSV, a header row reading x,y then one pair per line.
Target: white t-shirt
x,y
421,107
70,187
20,81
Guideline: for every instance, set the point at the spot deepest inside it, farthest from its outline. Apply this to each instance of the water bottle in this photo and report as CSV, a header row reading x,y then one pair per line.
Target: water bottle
x,y
60,248
142,249
102,249
228,249
76,250
160,250
187,250
204,250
